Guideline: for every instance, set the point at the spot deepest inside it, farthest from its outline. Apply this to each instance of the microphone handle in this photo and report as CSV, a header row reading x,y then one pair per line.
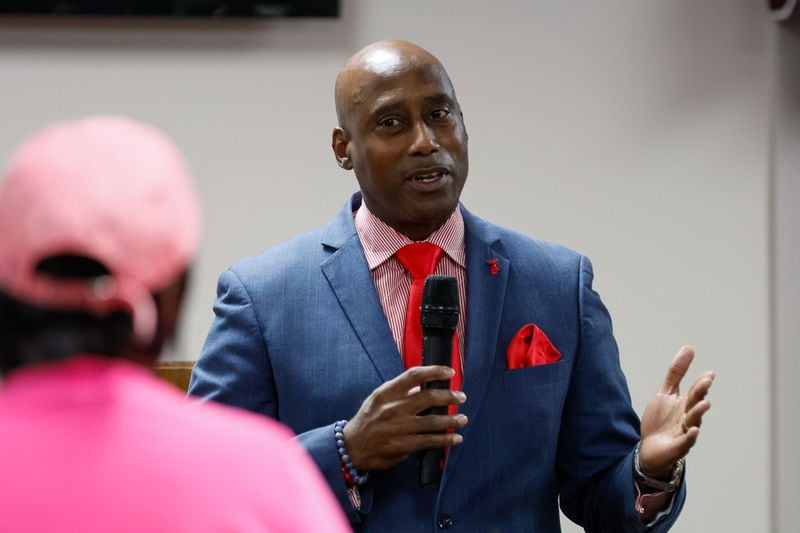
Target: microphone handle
x,y
437,349
430,471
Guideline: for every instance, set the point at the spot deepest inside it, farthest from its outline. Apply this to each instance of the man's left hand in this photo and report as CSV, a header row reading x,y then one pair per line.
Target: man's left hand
x,y
671,422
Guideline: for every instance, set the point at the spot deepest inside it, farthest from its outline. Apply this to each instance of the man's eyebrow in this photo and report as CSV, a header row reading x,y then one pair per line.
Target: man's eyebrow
x,y
384,107
390,104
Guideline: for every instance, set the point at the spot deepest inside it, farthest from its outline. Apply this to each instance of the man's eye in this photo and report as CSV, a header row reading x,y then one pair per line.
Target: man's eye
x,y
439,113
389,122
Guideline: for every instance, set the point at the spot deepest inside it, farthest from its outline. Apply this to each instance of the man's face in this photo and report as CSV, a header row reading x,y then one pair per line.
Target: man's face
x,y
405,139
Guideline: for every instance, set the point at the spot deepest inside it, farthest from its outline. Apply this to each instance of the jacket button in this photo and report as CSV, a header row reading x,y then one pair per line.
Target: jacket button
x,y
444,521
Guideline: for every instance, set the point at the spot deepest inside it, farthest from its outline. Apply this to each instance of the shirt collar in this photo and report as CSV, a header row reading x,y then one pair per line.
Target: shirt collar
x,y
380,241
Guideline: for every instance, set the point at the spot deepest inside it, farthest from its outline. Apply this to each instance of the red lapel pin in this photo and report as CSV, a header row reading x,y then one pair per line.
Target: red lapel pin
x,y
493,270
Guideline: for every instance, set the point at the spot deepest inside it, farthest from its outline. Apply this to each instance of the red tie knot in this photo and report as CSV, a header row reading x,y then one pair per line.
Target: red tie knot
x,y
419,258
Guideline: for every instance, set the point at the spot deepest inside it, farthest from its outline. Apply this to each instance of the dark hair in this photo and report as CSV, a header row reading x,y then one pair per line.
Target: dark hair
x,y
31,334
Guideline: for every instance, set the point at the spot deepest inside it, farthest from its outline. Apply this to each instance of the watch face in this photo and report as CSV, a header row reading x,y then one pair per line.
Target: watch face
x,y
781,9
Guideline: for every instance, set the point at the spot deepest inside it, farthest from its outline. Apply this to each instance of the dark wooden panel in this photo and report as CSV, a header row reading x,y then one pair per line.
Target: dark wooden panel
x,y
176,372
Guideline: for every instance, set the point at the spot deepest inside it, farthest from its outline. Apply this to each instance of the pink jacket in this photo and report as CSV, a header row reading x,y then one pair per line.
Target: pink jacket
x,y
94,444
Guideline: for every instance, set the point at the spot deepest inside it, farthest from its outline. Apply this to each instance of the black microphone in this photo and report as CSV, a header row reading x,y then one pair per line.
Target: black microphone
x,y
439,316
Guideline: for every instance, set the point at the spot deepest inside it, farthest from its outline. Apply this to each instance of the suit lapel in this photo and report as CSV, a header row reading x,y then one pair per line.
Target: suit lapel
x,y
485,297
349,277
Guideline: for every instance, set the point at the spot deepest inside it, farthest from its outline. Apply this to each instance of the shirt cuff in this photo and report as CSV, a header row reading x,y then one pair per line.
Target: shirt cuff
x,y
652,506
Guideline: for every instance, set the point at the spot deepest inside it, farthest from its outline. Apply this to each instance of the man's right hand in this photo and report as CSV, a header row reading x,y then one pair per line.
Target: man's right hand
x,y
386,428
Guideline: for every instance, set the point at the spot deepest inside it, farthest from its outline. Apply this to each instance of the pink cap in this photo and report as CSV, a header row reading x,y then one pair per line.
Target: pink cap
x,y
108,188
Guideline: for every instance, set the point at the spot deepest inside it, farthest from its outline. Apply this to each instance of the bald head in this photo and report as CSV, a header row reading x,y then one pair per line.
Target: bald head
x,y
402,133
378,62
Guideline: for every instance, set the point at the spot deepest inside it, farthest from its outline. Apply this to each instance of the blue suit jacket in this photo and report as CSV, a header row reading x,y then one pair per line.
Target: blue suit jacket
x,y
300,336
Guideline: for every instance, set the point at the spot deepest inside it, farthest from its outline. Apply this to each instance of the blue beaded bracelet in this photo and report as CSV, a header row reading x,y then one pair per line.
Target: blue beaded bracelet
x,y
338,434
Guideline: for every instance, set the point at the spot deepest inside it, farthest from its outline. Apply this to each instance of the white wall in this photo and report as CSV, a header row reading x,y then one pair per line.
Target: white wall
x,y
636,132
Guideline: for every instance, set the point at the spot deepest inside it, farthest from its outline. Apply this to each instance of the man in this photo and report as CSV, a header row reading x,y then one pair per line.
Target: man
x,y
99,221
313,332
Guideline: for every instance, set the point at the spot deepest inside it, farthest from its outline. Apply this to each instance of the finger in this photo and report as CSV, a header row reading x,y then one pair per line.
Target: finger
x,y
677,370
434,398
439,423
402,384
681,445
694,417
689,440
699,390
420,374
408,444
430,441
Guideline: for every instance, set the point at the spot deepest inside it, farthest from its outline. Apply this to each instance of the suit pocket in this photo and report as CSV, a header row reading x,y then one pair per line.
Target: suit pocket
x,y
536,376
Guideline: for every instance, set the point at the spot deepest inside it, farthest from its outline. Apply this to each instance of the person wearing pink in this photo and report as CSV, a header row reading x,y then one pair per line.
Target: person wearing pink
x,y
99,222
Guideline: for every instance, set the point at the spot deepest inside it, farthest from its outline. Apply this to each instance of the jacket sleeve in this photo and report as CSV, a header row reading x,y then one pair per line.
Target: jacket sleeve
x,y
234,369
600,430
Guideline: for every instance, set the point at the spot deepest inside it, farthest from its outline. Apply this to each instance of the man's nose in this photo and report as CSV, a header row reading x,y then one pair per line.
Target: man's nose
x,y
424,140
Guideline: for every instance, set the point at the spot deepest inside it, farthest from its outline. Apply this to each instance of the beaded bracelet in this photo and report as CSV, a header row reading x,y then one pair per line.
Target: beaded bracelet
x,y
344,457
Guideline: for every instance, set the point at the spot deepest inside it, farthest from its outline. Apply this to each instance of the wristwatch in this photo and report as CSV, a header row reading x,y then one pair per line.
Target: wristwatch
x,y
666,486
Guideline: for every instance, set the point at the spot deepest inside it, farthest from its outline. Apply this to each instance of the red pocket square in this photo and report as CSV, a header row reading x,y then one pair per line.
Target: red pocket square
x,y
531,347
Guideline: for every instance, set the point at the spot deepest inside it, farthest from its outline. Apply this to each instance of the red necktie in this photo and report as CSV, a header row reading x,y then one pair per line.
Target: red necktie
x,y
420,260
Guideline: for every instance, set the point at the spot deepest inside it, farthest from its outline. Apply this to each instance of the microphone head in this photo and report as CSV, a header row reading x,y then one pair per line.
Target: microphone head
x,y
439,302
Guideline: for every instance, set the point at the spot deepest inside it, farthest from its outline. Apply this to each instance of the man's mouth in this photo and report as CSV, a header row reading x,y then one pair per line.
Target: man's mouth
x,y
429,175
425,178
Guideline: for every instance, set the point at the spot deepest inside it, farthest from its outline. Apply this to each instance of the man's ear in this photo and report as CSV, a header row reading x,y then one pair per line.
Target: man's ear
x,y
339,143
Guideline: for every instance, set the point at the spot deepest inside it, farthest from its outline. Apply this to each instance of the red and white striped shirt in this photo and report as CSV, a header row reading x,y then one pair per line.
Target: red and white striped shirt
x,y
393,282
